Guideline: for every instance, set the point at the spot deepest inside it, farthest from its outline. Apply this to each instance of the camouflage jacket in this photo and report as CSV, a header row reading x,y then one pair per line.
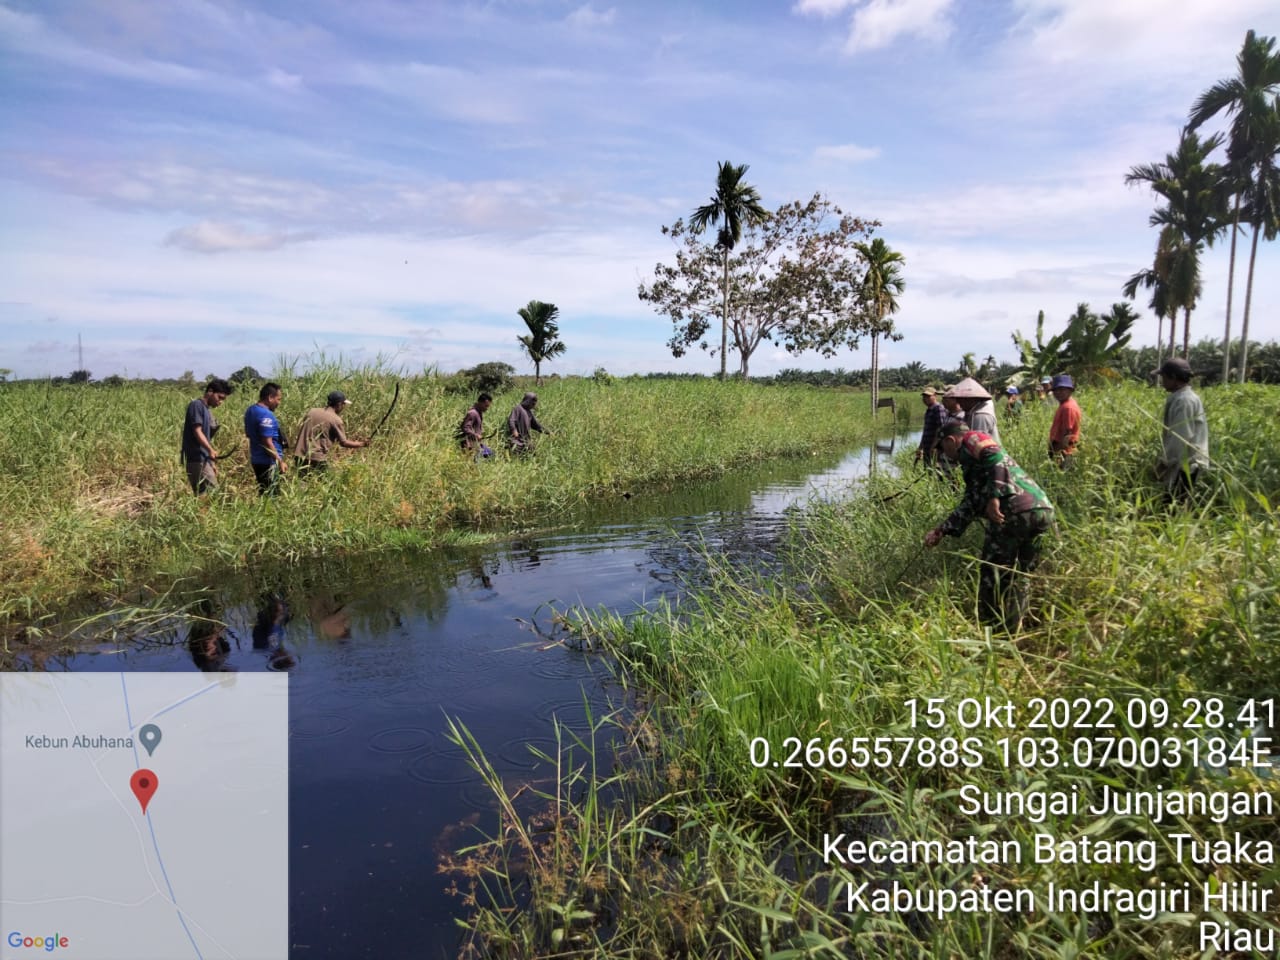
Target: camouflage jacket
x,y
990,472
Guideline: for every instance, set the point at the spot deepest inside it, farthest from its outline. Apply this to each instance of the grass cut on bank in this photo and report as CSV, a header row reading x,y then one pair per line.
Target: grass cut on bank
x,y
743,802
97,503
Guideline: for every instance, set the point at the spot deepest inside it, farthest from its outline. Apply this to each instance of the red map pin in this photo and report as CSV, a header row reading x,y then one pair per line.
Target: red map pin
x,y
144,785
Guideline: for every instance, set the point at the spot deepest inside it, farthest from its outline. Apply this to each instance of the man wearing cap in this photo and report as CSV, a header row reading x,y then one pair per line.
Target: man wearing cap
x,y
1017,514
1185,432
979,411
521,423
1045,390
322,428
1064,432
198,429
934,414
1012,403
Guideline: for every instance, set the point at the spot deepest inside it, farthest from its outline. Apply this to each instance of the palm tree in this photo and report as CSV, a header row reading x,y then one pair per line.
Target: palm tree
x,y
914,375
1262,212
1156,279
881,287
734,204
1194,207
540,342
1096,343
1247,98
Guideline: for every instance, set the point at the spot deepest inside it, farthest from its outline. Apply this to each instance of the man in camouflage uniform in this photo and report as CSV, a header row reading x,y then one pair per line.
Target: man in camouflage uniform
x,y
1017,514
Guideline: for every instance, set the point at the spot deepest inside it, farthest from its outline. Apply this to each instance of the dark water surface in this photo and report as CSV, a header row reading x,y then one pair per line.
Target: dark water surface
x,y
381,652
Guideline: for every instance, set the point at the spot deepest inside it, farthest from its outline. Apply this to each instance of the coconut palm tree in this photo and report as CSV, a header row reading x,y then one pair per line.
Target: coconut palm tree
x,y
733,205
540,342
1195,205
1248,99
881,287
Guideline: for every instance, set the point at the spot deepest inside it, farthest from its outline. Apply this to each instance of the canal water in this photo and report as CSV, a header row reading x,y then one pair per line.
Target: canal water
x,y
382,652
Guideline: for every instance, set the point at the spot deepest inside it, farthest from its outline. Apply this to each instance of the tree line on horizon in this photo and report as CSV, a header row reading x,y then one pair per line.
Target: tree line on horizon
x,y
1127,363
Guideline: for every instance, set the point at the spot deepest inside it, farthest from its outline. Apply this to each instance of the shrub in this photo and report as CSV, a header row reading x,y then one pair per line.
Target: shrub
x,y
492,377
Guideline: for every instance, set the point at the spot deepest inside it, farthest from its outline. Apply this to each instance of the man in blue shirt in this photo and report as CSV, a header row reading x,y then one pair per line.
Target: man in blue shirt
x,y
934,416
266,441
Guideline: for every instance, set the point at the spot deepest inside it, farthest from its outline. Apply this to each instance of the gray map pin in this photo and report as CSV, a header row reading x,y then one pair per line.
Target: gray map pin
x,y
150,737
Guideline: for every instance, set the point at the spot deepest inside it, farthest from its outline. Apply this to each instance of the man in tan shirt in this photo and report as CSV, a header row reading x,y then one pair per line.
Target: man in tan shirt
x,y
321,429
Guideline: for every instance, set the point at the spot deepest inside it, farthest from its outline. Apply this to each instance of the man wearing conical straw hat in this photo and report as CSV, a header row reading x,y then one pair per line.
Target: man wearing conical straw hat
x,y
979,411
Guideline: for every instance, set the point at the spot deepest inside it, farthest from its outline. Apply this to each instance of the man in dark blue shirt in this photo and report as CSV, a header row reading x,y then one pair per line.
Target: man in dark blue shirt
x,y
266,442
934,415
198,429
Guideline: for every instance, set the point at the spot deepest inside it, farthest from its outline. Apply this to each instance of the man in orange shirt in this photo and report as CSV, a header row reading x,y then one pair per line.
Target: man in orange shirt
x,y
1064,433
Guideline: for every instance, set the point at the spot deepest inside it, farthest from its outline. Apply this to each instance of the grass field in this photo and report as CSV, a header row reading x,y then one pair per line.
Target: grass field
x,y
703,842
96,499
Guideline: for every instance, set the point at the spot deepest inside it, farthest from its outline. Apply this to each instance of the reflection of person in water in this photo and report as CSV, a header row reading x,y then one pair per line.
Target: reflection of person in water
x,y
480,574
268,632
206,641
531,556
330,617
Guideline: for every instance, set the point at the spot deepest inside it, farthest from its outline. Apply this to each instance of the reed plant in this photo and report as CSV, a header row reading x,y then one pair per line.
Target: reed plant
x,y
96,499
713,846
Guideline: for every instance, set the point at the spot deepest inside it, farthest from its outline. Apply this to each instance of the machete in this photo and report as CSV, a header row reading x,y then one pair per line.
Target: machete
x,y
394,401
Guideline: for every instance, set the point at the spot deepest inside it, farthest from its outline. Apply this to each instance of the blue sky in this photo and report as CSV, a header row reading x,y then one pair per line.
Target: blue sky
x,y
200,185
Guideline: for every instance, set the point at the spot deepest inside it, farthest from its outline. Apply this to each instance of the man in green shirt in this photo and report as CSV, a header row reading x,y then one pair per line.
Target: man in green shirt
x,y
1016,511
1184,450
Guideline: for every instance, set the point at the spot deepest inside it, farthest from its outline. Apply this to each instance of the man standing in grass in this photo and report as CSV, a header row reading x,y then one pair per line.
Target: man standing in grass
x,y
979,411
1017,514
321,429
266,441
521,423
471,432
934,414
1064,432
1185,433
197,437
1013,403
1045,390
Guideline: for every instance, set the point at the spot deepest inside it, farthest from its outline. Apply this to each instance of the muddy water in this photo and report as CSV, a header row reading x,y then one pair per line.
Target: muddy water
x,y
380,653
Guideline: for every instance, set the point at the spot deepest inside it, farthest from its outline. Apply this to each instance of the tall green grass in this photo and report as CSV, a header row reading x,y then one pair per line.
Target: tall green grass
x,y
704,854
95,496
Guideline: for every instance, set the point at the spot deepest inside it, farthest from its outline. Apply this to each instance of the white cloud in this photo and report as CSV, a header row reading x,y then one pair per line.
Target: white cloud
x,y
878,23
398,201
27,35
824,8
1134,35
284,80
587,17
881,22
846,153
209,236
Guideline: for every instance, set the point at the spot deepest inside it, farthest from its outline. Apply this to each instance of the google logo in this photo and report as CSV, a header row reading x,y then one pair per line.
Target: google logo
x,y
48,944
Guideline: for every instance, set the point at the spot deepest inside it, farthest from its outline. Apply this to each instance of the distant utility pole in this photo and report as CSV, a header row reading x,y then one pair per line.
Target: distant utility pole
x,y
80,352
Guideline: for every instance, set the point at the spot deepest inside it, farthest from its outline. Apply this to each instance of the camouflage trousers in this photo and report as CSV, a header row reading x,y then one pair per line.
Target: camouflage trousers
x,y
1009,552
